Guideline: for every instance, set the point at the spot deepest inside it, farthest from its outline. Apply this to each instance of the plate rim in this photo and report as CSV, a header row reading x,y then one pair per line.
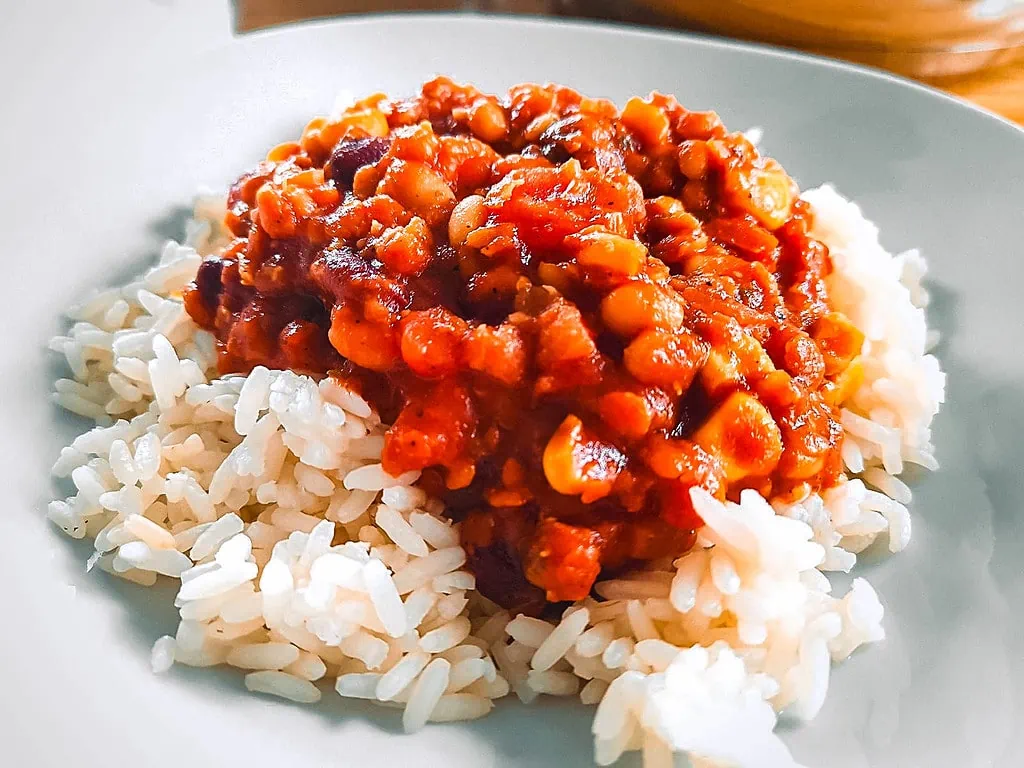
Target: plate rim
x,y
620,29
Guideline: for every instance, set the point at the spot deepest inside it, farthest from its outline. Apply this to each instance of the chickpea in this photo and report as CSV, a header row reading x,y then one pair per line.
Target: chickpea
x,y
284,151
576,464
310,140
646,121
538,125
637,306
468,215
743,435
666,359
419,188
797,353
406,250
683,460
487,121
701,125
628,413
770,196
600,107
369,344
416,143
693,159
609,254
839,340
361,122
733,363
365,181
839,390
744,236
668,215
275,213
758,186
301,201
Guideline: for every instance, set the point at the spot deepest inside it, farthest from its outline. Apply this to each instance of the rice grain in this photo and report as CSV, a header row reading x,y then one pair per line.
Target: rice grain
x,y
263,656
561,639
400,676
426,694
283,685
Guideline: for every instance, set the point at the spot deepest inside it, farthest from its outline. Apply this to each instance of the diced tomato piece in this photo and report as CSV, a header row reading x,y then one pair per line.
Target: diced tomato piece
x,y
432,429
498,352
666,359
432,342
564,560
369,344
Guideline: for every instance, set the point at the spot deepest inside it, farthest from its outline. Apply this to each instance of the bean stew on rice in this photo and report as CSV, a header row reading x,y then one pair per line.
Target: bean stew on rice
x,y
570,315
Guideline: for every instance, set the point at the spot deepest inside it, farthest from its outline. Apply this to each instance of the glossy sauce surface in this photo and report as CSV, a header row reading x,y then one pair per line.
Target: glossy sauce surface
x,y
571,315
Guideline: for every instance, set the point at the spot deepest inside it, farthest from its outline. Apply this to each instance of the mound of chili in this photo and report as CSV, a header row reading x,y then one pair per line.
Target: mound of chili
x,y
570,315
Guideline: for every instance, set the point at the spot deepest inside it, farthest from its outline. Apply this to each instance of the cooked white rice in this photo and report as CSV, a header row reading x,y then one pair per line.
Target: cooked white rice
x,y
300,559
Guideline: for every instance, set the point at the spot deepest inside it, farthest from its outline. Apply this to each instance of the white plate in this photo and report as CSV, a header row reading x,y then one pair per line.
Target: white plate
x,y
96,171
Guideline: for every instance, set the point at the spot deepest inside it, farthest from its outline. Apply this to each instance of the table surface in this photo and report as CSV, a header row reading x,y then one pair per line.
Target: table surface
x,y
999,89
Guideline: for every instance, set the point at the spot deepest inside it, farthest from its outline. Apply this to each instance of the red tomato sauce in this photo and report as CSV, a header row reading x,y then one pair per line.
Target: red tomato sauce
x,y
570,315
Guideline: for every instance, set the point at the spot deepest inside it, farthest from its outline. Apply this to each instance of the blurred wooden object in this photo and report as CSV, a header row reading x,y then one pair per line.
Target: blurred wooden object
x,y
257,14
1000,89
916,38
955,45
972,48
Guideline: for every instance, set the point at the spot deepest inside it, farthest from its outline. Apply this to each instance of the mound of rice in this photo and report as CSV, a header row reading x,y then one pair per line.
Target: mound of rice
x,y
301,560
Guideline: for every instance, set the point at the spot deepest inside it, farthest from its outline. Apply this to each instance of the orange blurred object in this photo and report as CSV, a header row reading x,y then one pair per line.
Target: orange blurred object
x,y
926,39
971,48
